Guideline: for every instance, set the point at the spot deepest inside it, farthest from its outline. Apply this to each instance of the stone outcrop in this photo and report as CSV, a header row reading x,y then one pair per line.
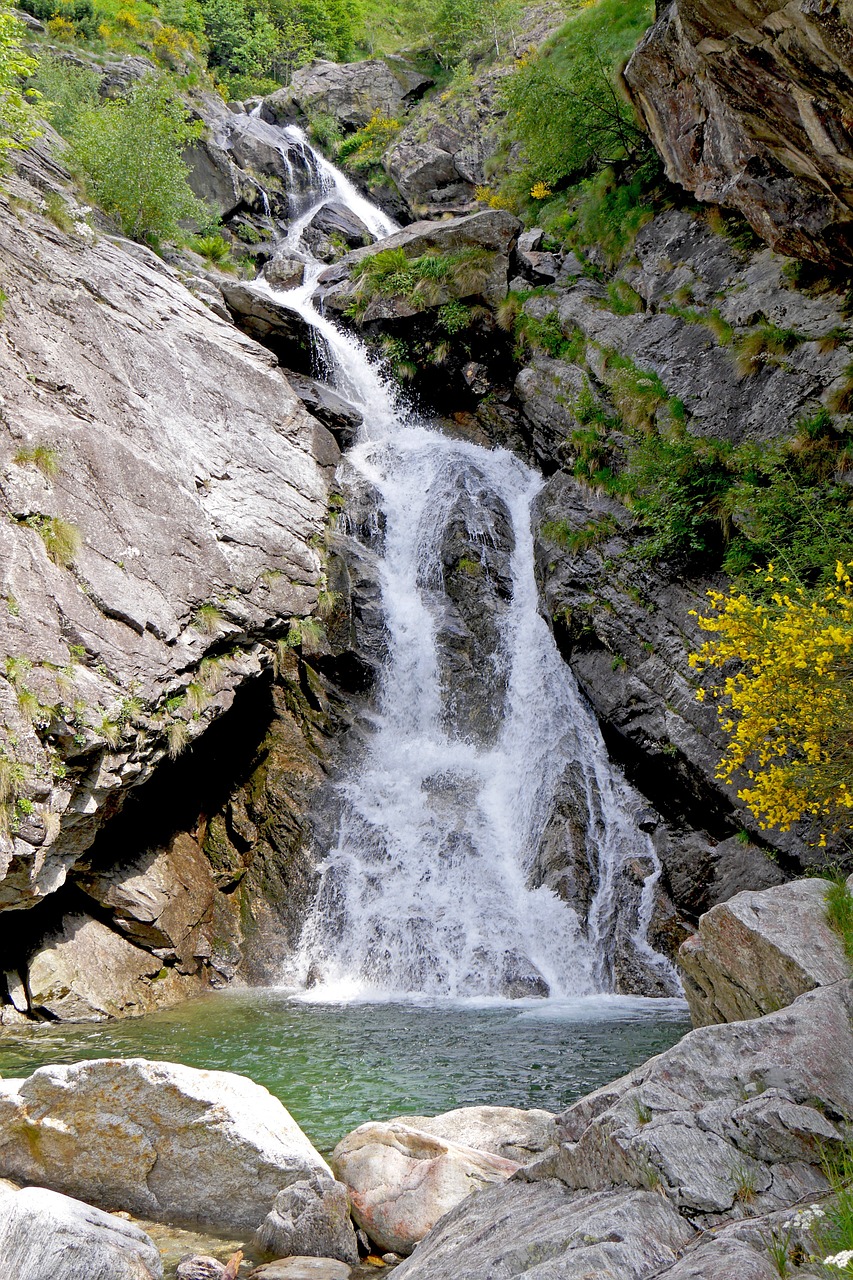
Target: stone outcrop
x,y
749,104
545,1231
508,1132
46,1236
757,952
726,1130
494,231
349,92
156,1139
87,972
178,512
310,1218
401,1181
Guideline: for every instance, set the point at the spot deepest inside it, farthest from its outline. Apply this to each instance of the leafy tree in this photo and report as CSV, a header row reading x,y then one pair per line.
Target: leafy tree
x,y
131,151
18,121
67,90
463,27
786,705
571,121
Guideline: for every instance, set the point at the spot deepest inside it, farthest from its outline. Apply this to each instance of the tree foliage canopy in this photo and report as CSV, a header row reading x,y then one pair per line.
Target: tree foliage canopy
x,y
131,151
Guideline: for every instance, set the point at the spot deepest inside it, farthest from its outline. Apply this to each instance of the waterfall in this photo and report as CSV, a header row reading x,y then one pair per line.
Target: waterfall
x,y
431,884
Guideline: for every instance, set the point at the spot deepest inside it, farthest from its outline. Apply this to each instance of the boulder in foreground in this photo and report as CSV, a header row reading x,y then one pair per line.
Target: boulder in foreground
x,y
402,1180
510,1132
160,1140
46,1236
310,1218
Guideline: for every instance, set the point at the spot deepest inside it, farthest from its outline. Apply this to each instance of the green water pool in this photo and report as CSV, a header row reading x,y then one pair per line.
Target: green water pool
x,y
336,1065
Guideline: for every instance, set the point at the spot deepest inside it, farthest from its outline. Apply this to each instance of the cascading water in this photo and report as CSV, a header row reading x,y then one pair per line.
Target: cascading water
x,y
430,887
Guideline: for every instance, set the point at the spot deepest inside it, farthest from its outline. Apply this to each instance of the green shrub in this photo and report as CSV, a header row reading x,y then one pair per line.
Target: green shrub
x,y
563,105
68,90
365,148
131,151
18,120
423,281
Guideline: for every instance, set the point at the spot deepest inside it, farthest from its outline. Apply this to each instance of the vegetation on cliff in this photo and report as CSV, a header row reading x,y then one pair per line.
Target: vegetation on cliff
x,y
785,700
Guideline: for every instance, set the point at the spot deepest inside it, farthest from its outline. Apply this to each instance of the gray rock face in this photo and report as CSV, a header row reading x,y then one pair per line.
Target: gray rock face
x,y
46,1236
157,1139
759,951
350,92
187,471
750,109
544,1232
747,1105
310,1218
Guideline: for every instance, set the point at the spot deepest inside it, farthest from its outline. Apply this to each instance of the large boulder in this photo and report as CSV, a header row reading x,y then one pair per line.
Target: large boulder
x,y
750,108
310,1218
157,1139
402,1180
733,1115
509,1132
759,951
46,1236
350,92
263,318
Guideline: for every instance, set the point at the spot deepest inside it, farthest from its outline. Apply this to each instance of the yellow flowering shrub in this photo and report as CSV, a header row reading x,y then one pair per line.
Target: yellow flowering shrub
x,y
540,191
786,698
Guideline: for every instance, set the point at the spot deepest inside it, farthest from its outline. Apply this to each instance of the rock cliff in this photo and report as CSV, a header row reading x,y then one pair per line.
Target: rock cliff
x,y
750,104
164,493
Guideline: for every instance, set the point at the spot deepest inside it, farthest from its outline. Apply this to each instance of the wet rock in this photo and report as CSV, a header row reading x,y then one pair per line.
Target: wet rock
x,y
757,952
159,1140
509,1132
275,326
336,220
310,1217
546,1231
350,92
284,271
327,406
45,1236
402,1180
752,112
199,1268
87,972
